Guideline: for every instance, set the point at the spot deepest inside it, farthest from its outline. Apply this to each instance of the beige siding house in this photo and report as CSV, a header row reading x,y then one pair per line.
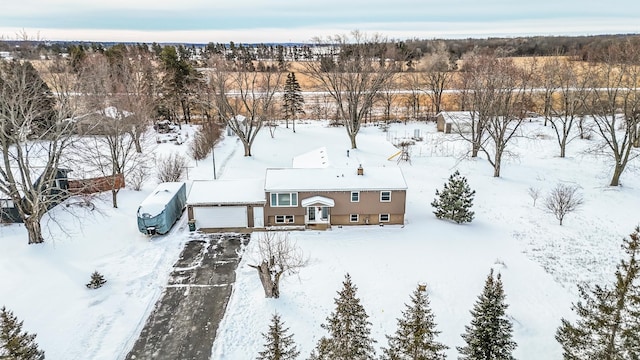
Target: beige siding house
x,y
320,198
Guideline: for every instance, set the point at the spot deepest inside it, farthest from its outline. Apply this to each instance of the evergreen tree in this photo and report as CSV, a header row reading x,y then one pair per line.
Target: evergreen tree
x,y
488,337
415,337
37,114
97,280
454,202
293,100
349,329
279,345
608,325
14,343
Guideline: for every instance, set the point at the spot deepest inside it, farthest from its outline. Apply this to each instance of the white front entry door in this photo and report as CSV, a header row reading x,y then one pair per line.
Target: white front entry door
x,y
258,217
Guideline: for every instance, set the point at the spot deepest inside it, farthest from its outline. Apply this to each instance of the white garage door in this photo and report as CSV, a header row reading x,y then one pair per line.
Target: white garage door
x,y
220,216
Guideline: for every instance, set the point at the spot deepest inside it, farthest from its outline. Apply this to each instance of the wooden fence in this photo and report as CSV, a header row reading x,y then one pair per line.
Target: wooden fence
x,y
96,185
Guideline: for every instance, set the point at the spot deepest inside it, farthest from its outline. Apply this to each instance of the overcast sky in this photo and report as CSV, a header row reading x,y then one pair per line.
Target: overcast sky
x,y
249,21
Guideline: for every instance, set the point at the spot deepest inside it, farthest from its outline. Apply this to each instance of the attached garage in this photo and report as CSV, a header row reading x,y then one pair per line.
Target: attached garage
x,y
227,205
221,216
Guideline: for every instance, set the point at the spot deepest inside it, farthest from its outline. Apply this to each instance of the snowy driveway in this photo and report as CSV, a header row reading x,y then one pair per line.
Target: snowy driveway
x,y
184,321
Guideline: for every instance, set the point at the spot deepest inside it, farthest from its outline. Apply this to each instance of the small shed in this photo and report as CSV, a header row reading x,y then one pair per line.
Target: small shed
x,y
227,204
455,121
162,208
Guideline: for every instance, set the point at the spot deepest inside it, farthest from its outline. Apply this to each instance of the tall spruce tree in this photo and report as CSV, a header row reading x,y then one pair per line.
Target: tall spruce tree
x,y
608,324
415,337
455,200
349,329
488,337
14,343
293,101
279,344
37,113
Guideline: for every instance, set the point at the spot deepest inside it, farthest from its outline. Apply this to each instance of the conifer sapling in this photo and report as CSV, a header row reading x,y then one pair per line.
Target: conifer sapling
x,y
607,326
455,200
14,343
349,329
279,344
97,280
415,337
489,336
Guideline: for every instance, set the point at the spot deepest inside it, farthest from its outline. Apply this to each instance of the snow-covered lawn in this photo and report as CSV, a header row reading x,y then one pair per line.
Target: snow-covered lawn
x,y
540,261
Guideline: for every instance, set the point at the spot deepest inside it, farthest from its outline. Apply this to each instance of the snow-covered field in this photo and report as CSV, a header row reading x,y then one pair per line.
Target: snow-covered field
x,y
540,261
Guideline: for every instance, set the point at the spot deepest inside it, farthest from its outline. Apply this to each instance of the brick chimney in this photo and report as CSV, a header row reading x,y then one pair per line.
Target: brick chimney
x,y
360,170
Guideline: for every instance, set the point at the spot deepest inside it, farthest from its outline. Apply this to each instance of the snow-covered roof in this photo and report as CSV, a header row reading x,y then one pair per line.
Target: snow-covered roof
x,y
114,113
317,158
456,117
335,179
314,200
155,203
228,191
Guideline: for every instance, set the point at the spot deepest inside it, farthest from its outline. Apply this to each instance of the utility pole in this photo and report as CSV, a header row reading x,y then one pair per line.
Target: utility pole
x,y
213,156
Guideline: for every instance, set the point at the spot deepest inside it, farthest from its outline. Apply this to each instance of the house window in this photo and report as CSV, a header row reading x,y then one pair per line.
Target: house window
x,y
385,196
355,196
384,218
284,219
284,199
354,217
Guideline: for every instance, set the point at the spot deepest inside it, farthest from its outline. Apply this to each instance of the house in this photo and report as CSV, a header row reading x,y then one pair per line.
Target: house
x,y
8,211
227,204
321,197
101,122
455,121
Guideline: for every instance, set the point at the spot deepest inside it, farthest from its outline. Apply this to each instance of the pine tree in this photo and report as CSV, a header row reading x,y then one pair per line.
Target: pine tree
x,y
97,280
454,202
14,343
40,102
608,325
349,329
415,337
279,345
488,337
293,100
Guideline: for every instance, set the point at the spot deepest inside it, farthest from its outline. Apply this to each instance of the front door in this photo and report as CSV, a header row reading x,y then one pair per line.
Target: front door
x,y
318,214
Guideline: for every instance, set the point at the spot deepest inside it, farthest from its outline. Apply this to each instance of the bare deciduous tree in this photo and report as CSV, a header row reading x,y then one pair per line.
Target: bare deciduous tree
x,y
534,193
411,81
354,77
139,174
244,98
112,150
134,79
387,96
171,168
474,99
562,200
278,256
204,140
614,101
437,75
498,92
565,85
30,154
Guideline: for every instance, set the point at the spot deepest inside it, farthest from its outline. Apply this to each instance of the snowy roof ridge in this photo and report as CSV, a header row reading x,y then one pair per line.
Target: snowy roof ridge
x,y
334,179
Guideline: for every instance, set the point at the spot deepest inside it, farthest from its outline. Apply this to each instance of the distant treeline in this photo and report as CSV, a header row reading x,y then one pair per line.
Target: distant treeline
x,y
404,50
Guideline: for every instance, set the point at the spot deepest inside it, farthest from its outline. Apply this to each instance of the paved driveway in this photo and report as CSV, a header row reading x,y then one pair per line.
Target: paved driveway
x,y
184,322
